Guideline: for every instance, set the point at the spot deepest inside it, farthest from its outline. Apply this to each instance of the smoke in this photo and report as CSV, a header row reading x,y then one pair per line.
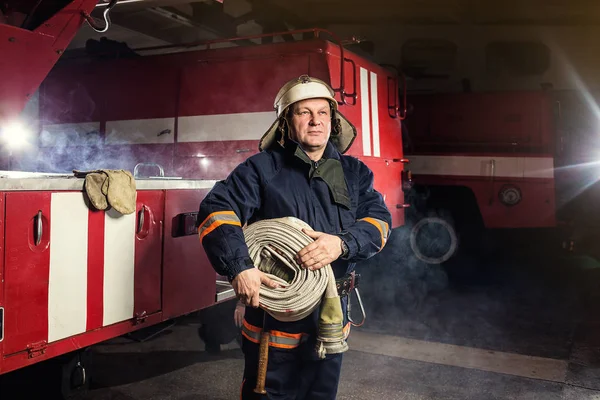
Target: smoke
x,y
522,298
61,146
395,281
407,297
64,158
450,303
64,147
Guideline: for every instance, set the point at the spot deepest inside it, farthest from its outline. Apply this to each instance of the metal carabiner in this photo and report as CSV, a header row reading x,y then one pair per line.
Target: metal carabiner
x,y
349,309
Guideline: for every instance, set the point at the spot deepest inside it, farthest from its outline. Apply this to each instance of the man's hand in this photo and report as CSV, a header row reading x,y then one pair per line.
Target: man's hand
x,y
238,314
247,285
324,250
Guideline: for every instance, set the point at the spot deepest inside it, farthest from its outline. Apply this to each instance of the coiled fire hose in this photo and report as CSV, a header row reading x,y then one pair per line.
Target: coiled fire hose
x,y
273,245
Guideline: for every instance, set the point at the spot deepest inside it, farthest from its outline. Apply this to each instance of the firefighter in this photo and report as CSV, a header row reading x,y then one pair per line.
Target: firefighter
x,y
301,172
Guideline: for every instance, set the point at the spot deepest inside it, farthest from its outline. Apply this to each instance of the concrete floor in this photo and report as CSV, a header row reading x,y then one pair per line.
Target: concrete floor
x,y
524,326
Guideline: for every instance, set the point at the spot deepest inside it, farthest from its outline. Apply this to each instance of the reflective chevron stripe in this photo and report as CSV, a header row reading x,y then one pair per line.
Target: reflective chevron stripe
x,y
216,219
382,226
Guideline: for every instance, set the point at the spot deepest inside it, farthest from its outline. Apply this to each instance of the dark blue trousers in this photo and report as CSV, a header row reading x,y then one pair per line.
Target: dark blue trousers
x,y
295,374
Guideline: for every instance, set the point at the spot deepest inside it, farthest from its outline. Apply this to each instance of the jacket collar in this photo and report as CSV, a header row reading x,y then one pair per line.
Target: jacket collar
x,y
329,169
330,151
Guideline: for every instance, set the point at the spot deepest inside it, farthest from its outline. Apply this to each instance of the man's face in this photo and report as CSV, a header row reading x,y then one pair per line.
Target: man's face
x,y
310,123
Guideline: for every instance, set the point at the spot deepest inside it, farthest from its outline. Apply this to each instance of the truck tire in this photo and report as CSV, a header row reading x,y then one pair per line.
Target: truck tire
x,y
433,240
76,373
62,377
218,326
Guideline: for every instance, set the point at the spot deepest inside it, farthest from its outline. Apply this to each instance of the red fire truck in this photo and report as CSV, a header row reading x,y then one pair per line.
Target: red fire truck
x,y
71,276
480,161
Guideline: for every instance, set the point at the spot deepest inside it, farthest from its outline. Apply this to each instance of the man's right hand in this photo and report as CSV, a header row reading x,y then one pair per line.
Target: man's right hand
x,y
247,285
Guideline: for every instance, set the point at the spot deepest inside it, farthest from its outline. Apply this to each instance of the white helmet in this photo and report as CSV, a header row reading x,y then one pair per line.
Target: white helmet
x,y
303,88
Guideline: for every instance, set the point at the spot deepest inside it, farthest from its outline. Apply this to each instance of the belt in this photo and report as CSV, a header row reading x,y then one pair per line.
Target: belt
x,y
345,284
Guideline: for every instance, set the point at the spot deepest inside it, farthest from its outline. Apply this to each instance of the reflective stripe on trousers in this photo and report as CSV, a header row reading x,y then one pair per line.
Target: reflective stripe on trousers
x,y
282,340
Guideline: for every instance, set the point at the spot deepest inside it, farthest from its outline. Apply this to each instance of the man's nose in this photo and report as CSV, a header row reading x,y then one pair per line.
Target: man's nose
x,y
314,120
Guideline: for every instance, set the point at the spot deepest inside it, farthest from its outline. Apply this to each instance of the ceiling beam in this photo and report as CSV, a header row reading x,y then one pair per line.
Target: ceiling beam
x,y
272,11
211,16
275,18
139,24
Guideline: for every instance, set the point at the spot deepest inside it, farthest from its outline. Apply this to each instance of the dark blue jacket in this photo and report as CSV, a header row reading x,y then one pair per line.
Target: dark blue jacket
x,y
334,196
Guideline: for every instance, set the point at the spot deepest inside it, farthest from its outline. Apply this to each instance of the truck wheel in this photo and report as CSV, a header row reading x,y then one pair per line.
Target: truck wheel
x,y
76,373
218,326
433,240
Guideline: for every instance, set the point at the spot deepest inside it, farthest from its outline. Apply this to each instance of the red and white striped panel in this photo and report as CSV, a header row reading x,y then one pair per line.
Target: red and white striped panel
x,y
213,127
369,107
508,167
91,281
236,126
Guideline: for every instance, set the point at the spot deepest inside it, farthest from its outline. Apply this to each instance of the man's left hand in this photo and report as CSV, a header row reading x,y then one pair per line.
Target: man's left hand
x,y
324,250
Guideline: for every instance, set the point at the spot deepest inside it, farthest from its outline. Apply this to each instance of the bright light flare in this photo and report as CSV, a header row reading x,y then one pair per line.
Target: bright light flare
x,y
16,135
